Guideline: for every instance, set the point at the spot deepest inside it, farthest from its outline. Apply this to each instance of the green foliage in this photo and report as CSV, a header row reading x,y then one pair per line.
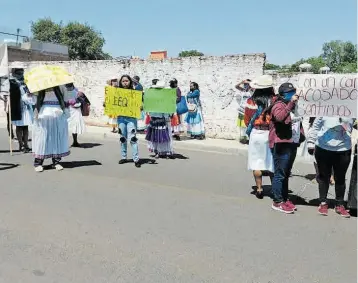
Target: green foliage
x,y
316,62
190,53
83,41
340,55
269,66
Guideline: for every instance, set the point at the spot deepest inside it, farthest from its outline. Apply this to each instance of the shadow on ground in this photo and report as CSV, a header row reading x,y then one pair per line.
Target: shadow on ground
x,y
76,164
7,166
89,145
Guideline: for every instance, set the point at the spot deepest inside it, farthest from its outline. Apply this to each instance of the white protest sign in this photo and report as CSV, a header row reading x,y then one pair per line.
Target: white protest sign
x,y
327,95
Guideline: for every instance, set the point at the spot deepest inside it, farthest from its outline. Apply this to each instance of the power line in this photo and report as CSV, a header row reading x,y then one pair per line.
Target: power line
x,y
14,34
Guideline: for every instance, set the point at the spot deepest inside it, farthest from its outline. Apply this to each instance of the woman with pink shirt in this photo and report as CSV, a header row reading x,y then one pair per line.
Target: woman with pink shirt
x,y
286,134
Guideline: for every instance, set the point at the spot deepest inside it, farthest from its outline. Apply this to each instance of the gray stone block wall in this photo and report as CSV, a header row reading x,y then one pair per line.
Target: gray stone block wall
x,y
216,77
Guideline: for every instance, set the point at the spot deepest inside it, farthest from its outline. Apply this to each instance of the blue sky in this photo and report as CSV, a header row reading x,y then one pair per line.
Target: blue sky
x,y
286,30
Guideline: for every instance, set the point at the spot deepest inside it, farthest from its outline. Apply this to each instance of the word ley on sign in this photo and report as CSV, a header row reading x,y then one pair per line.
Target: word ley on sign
x,y
122,102
327,95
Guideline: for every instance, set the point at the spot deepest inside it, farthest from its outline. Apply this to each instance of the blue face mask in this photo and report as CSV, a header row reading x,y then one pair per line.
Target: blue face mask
x,y
288,95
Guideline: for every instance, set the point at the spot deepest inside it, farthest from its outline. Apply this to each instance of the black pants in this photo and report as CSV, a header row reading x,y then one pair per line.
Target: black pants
x,y
22,133
9,126
339,161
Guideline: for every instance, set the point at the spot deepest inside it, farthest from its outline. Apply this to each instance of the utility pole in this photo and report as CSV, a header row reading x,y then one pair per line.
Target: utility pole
x,y
17,36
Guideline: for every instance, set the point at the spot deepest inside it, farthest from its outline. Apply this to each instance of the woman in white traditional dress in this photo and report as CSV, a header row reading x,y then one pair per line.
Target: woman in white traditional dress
x,y
76,123
50,128
260,158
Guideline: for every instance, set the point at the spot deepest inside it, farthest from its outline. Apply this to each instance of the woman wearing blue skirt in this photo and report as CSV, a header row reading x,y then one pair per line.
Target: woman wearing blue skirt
x,y
194,118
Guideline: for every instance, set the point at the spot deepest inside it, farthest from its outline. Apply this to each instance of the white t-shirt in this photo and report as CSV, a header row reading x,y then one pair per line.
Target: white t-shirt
x,y
296,125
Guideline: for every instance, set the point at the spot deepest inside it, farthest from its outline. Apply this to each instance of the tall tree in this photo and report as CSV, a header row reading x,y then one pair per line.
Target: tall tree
x,y
47,30
83,41
190,53
338,54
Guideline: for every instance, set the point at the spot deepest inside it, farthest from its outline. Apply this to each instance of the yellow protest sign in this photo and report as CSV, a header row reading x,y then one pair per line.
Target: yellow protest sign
x,y
45,76
122,102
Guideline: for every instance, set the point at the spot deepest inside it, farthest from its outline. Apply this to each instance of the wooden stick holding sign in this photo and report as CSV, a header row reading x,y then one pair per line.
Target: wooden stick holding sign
x,y
10,123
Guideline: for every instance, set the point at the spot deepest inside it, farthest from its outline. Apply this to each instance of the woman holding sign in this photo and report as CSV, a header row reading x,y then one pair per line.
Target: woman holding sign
x,y
128,128
194,117
159,134
50,129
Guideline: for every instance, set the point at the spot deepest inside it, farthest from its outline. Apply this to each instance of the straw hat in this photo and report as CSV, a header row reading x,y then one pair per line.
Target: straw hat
x,y
262,82
160,84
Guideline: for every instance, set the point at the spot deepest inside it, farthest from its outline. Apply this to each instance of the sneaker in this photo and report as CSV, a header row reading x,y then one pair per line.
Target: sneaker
x,y
58,167
340,209
323,209
282,207
290,204
39,169
137,164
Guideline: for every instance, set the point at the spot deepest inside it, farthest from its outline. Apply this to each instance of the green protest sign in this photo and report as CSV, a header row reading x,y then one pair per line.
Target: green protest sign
x,y
160,100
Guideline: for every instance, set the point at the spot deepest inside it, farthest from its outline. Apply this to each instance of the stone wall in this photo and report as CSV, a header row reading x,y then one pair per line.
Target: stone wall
x,y
216,77
27,55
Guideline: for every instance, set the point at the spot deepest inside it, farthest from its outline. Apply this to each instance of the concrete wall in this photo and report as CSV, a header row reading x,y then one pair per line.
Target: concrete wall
x,y
27,55
216,77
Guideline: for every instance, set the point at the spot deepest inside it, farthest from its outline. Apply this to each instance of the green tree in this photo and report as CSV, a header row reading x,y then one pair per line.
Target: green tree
x,y
83,41
339,54
315,62
190,53
46,30
269,66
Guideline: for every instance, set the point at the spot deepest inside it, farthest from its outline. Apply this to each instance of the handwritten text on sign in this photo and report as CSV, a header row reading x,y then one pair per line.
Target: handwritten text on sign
x,y
122,102
44,77
327,95
160,100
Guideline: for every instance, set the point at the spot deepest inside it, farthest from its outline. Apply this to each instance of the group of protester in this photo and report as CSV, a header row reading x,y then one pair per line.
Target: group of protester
x,y
52,113
160,128
273,130
275,133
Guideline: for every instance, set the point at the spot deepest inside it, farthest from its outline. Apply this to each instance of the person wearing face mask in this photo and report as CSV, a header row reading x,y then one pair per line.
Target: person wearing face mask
x,y
22,102
76,123
286,133
128,128
330,140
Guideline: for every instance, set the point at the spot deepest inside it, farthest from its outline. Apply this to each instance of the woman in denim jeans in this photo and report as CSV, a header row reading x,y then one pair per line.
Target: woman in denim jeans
x,y
128,128
284,138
